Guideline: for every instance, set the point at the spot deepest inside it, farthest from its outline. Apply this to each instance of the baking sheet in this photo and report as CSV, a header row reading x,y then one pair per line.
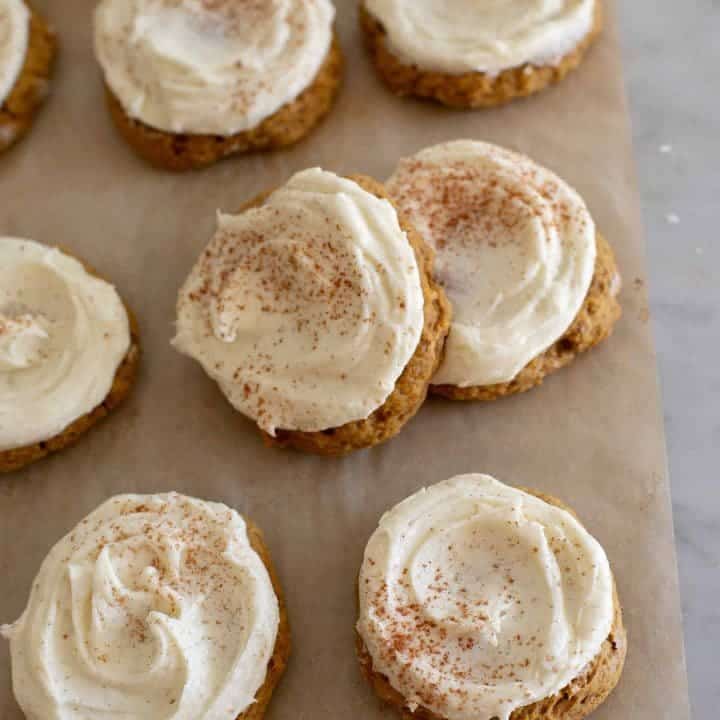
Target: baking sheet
x,y
591,435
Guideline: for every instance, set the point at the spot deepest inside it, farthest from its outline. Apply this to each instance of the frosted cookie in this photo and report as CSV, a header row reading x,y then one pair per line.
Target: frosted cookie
x,y
190,82
479,601
154,606
315,311
27,51
477,53
69,351
531,281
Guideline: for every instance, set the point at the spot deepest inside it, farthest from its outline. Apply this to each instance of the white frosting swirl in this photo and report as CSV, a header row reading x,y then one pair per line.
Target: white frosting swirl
x,y
458,36
23,340
219,66
63,335
307,309
477,598
153,607
515,253
14,38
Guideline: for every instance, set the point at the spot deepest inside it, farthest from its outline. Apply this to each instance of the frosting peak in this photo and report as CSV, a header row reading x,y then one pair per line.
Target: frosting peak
x,y
153,607
23,341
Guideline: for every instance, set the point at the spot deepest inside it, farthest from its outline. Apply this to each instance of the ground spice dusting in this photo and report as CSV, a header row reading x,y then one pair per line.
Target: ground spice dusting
x,y
439,623
233,20
300,300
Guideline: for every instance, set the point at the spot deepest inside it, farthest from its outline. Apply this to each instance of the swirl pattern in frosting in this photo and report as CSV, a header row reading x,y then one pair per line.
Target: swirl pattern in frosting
x,y
154,607
63,335
14,39
458,36
210,66
477,598
307,308
515,252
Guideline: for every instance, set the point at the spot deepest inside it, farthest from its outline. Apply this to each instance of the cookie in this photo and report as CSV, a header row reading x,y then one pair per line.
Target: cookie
x,y
20,106
585,691
187,613
469,89
264,101
15,458
532,282
355,323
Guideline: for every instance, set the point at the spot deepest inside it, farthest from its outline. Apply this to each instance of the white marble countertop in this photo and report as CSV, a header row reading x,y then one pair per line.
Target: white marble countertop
x,y
671,59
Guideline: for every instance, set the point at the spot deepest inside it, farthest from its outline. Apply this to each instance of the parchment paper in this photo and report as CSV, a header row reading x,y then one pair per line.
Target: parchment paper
x,y
591,435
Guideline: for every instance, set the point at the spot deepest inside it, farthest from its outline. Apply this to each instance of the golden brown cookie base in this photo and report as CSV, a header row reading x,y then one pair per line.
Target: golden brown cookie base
x,y
412,385
31,88
292,122
17,458
595,322
279,660
575,701
472,89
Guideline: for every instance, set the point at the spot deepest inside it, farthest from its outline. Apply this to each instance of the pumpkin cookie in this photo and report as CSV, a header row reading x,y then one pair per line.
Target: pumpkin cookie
x,y
478,600
27,51
189,83
315,311
188,614
531,281
69,351
485,55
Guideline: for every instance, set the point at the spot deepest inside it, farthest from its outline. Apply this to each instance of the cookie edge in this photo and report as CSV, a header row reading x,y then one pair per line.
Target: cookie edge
x,y
281,653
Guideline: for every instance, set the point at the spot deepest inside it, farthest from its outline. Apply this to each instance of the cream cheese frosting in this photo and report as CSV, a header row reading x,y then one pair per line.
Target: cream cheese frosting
x,y
489,36
63,335
14,39
515,253
154,607
477,598
219,67
306,309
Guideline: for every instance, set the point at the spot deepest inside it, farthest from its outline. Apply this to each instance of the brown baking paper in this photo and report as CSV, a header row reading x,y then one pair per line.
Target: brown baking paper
x,y
592,435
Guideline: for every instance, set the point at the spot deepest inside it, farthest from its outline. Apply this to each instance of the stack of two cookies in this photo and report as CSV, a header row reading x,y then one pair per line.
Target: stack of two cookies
x,y
327,309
